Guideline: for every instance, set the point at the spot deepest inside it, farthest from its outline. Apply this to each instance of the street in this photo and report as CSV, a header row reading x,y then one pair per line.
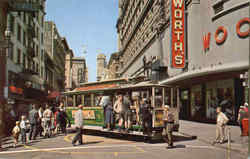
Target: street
x,y
106,147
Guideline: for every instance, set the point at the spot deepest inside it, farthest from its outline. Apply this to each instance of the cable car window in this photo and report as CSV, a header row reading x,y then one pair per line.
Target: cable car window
x,y
158,97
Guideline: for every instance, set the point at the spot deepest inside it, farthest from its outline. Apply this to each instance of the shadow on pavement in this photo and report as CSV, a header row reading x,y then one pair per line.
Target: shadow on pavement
x,y
180,146
92,142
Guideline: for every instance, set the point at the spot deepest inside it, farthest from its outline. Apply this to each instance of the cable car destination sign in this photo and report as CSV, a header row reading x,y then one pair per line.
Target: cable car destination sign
x,y
177,34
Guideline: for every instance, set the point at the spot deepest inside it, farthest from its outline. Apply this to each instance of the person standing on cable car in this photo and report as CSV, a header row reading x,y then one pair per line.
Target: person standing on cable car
x,y
106,103
127,111
145,116
119,109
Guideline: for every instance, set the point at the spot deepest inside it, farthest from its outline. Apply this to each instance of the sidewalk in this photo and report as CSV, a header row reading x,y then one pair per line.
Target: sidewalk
x,y
206,133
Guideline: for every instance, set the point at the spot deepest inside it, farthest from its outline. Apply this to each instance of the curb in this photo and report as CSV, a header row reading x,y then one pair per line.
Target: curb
x,y
218,146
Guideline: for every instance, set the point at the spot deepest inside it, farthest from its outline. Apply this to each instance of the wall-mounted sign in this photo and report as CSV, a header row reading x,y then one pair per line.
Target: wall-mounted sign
x,y
177,33
221,33
25,7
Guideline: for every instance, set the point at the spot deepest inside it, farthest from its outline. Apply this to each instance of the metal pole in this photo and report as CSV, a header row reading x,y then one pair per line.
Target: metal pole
x,y
228,143
3,9
248,90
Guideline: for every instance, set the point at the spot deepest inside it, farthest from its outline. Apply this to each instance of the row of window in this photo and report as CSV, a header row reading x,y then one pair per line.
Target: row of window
x,y
26,35
131,17
142,36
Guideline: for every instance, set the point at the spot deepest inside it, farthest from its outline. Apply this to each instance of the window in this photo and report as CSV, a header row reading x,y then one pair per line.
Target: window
x,y
42,55
36,50
42,75
80,75
18,56
10,53
19,33
37,68
33,65
87,100
12,23
24,61
24,38
24,17
42,39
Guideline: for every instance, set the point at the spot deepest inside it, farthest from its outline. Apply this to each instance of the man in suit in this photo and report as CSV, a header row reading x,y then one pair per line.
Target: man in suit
x,y
168,119
33,117
79,126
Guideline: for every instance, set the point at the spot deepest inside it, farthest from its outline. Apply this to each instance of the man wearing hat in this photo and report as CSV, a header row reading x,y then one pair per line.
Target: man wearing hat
x,y
79,126
168,119
242,114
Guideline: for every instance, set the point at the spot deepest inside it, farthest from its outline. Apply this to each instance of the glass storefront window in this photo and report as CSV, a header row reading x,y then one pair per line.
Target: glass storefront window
x,y
220,93
196,100
174,97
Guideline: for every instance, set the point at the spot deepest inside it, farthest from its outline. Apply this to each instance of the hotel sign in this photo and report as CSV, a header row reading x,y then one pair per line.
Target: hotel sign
x,y
25,7
177,34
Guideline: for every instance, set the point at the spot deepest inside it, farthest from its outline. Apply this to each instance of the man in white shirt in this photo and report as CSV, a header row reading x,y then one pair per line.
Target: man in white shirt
x,y
79,126
47,116
222,120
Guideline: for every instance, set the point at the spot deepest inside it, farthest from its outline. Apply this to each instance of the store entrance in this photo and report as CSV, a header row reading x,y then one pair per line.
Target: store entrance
x,y
185,104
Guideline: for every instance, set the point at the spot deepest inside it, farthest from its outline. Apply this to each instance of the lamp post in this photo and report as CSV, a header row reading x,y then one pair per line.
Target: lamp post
x,y
5,50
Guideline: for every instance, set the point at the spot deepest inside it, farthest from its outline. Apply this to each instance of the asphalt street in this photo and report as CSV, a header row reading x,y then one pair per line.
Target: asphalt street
x,y
112,148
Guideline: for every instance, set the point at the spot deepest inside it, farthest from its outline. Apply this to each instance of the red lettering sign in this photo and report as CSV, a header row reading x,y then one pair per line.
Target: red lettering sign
x,y
177,34
222,30
238,26
206,41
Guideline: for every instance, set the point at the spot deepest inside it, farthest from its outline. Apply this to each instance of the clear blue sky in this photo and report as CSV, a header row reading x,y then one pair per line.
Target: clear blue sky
x,y
86,22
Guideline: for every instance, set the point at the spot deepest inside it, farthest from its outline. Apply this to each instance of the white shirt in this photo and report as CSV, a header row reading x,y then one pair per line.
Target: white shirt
x,y
222,119
23,124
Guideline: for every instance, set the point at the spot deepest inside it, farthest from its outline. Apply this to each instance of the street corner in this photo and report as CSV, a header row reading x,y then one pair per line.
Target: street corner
x,y
98,140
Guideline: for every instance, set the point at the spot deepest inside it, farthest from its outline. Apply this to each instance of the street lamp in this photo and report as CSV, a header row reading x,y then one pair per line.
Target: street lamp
x,y
7,36
4,46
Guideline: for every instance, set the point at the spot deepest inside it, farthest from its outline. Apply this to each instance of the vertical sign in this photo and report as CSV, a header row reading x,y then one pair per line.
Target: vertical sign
x,y
177,33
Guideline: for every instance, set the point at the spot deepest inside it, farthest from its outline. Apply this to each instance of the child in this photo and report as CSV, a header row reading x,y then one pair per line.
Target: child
x,y
15,133
23,126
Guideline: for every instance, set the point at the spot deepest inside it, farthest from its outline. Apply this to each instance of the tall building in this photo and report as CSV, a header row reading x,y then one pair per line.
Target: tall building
x,y
113,66
69,85
101,65
200,50
107,71
139,25
56,50
24,66
79,71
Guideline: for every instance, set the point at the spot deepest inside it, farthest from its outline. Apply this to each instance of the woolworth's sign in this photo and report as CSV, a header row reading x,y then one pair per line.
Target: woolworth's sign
x,y
177,34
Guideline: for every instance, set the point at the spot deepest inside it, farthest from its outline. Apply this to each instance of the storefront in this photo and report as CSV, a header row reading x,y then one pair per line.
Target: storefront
x,y
201,95
216,50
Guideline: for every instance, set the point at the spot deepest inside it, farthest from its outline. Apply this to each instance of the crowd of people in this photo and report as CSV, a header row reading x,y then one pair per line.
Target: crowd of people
x,y
51,121
44,122
124,110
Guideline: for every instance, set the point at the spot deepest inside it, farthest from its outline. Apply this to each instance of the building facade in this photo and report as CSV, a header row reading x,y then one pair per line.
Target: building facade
x,y
101,65
23,73
79,71
216,47
56,50
69,85
107,71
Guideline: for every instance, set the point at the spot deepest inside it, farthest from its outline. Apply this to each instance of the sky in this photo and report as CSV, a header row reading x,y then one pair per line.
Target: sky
x,y
86,23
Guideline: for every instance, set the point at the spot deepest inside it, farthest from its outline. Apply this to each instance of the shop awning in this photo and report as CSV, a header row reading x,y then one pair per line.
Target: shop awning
x,y
205,71
16,90
53,94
